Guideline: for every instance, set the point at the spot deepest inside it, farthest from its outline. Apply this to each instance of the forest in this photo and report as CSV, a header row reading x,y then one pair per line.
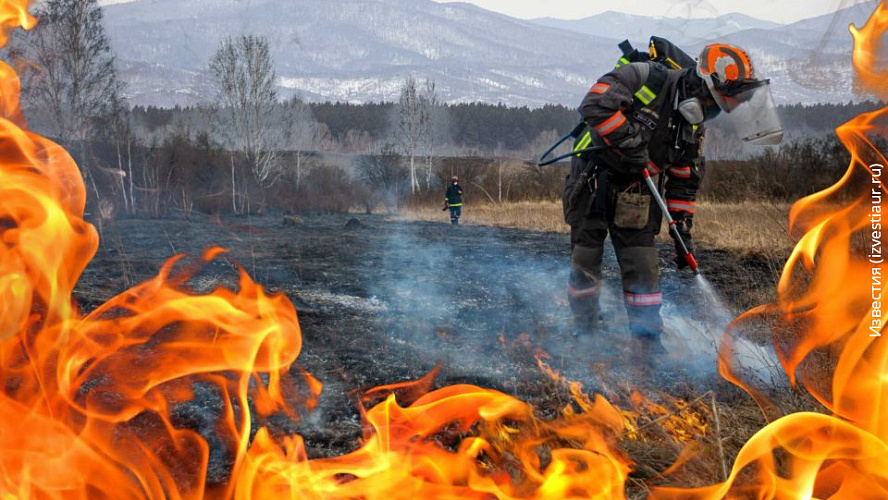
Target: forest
x,y
248,150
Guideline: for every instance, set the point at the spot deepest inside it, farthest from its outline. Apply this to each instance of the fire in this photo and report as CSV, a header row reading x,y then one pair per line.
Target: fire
x,y
457,442
828,298
682,423
86,408
90,404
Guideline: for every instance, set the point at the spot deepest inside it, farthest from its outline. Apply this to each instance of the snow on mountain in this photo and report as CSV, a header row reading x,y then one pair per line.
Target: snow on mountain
x,y
361,50
354,50
808,60
683,32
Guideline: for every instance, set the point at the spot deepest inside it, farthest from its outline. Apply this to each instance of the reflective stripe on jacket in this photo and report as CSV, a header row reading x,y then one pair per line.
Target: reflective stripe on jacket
x,y
453,197
627,113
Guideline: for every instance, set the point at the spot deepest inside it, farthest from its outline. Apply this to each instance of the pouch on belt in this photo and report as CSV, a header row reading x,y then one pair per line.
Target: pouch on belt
x,y
632,210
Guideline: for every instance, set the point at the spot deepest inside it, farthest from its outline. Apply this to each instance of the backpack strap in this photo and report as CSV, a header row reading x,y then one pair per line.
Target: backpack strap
x,y
626,47
652,87
665,52
630,54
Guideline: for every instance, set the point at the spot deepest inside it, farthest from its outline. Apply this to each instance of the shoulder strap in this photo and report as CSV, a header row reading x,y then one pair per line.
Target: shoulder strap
x,y
626,47
652,87
630,55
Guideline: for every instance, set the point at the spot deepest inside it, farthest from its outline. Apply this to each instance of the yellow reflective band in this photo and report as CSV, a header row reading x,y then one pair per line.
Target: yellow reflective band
x,y
586,137
645,95
456,204
695,127
584,142
672,63
622,62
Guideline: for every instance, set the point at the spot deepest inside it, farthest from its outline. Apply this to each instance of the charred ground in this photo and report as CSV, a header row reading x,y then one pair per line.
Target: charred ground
x,y
382,301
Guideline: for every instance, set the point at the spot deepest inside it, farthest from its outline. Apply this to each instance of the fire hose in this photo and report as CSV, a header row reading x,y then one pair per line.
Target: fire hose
x,y
689,257
575,133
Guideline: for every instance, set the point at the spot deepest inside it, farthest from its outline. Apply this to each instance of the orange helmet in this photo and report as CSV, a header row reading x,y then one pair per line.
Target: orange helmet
x,y
727,71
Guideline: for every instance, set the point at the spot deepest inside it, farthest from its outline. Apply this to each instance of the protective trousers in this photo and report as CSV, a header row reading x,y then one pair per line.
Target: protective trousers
x,y
455,213
636,254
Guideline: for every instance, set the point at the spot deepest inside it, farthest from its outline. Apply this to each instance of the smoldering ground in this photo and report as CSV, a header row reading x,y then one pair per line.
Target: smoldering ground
x,y
382,301
461,295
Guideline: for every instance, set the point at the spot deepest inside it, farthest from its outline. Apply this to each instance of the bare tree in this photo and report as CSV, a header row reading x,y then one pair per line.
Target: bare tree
x,y
73,87
244,73
121,129
384,174
157,174
409,128
303,134
429,111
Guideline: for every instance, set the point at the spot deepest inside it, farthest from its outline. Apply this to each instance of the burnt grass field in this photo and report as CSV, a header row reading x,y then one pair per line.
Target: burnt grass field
x,y
382,301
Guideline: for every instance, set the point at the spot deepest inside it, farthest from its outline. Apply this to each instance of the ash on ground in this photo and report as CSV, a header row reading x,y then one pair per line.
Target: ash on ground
x,y
382,301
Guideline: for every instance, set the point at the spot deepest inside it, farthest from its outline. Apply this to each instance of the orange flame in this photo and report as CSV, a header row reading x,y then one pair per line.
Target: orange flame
x,y
404,457
74,386
829,314
88,403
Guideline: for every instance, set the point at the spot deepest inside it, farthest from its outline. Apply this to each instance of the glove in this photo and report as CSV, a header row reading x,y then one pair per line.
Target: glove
x,y
634,160
446,206
683,224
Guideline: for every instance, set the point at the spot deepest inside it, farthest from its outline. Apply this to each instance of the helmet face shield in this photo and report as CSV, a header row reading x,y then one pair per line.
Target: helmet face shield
x,y
740,92
754,115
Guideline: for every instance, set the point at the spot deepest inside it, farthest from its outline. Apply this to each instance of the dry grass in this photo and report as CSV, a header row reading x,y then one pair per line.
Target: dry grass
x,y
747,228
532,216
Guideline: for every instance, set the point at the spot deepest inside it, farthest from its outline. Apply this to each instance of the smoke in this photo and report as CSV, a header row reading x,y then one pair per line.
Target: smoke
x,y
485,301
697,336
452,293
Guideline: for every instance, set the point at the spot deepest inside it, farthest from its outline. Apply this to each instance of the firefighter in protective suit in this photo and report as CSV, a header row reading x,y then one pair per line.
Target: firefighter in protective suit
x,y
650,116
453,200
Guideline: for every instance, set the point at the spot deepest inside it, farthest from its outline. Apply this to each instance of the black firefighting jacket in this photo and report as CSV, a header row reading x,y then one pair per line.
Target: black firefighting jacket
x,y
453,196
626,113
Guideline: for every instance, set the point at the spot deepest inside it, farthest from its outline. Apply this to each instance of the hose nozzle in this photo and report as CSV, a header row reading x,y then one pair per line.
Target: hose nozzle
x,y
689,257
692,263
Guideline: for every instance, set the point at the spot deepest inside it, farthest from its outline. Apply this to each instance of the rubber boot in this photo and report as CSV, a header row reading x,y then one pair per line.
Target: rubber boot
x,y
584,288
641,291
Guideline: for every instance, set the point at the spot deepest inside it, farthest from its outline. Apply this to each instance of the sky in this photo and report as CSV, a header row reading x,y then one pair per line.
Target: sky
x,y
780,11
773,10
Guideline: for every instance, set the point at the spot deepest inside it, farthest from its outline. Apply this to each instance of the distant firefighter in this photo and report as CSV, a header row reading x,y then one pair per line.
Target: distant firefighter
x,y
453,200
648,113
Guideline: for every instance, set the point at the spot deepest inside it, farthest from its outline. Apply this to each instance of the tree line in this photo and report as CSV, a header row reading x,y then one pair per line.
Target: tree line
x,y
250,150
471,129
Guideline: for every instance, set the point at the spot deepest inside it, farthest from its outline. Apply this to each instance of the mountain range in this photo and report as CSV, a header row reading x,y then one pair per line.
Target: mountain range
x,y
362,50
683,32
